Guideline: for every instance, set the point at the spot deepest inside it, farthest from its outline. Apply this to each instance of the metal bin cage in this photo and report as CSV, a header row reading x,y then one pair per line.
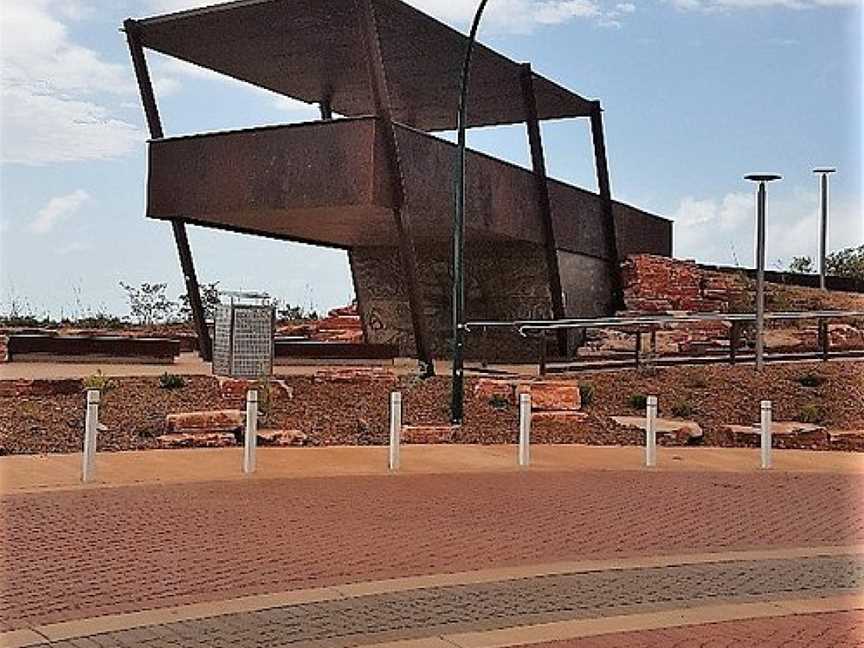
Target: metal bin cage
x,y
243,340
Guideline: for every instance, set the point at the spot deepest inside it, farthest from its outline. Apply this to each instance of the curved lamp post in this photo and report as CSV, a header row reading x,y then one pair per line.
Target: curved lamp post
x,y
457,402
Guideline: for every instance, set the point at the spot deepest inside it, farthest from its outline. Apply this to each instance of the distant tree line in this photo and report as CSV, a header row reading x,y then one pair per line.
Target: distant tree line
x,y
843,263
149,304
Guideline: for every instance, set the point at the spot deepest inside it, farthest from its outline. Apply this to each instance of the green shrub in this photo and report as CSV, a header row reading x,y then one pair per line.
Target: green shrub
x,y
638,401
98,381
171,381
682,409
265,395
811,380
499,402
586,393
811,413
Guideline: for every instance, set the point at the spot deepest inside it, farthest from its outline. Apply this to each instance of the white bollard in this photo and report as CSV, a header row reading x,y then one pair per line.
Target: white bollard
x,y
91,432
524,429
250,440
395,430
651,432
765,427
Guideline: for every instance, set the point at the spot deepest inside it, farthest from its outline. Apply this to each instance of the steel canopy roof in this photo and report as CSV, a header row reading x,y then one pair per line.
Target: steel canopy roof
x,y
313,50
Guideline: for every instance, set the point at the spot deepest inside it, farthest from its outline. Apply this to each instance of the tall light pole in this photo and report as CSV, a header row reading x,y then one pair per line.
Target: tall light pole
x,y
824,172
762,179
457,402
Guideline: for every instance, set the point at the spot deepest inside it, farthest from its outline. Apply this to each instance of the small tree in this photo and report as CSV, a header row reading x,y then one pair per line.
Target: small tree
x,y
148,303
802,265
210,300
843,263
846,263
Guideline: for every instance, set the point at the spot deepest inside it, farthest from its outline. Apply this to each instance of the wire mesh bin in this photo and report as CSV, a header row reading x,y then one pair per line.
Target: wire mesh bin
x,y
243,340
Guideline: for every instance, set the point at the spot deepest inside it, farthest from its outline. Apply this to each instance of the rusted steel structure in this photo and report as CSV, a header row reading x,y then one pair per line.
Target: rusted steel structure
x,y
375,181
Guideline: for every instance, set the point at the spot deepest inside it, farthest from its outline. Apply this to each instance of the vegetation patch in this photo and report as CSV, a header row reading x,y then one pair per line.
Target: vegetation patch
x,y
638,401
171,381
98,381
811,380
812,413
586,393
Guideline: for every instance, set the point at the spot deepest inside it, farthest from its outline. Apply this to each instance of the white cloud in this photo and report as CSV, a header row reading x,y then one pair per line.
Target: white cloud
x,y
727,5
722,230
58,209
167,70
55,93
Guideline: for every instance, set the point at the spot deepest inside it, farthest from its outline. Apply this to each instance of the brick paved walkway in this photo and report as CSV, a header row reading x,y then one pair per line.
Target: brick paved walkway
x,y
828,630
68,555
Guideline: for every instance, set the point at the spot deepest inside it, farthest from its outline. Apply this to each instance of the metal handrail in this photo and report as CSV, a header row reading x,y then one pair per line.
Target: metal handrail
x,y
612,322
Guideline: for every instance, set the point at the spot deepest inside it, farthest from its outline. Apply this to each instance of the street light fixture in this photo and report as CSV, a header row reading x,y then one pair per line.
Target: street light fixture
x,y
457,403
823,231
762,179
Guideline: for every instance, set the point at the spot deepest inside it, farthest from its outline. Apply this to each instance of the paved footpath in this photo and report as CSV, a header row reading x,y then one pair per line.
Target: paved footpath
x,y
74,556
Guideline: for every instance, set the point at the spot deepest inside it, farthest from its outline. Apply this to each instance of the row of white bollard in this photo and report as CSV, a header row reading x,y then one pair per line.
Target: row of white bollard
x,y
91,430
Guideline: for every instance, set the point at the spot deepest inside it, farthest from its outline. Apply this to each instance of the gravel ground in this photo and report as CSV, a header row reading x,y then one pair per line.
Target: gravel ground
x,y
355,413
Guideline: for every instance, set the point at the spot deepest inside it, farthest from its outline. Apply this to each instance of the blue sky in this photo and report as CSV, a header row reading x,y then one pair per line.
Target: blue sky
x,y
697,93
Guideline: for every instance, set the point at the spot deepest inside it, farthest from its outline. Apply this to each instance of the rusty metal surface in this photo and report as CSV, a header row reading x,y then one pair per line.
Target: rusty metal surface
x,y
112,346
314,49
327,183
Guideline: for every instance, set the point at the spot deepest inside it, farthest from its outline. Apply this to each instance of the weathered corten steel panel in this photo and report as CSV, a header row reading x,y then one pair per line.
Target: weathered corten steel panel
x,y
326,182
313,50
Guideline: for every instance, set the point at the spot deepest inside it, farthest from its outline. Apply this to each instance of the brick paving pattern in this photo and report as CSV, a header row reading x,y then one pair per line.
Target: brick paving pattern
x,y
76,554
828,630
463,608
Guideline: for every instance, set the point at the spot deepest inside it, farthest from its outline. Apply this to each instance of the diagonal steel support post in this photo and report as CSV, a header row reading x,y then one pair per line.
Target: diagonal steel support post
x,y
407,253
538,164
605,190
148,99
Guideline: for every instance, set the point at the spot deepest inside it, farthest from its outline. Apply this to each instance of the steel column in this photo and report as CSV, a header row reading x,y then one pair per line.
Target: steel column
x,y
605,191
538,165
407,253
154,124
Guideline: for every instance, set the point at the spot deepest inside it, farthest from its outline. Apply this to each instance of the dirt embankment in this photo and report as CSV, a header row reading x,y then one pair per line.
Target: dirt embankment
x,y
355,412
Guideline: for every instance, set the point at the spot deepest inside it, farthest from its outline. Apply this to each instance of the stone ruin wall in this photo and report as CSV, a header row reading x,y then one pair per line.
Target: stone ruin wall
x,y
656,284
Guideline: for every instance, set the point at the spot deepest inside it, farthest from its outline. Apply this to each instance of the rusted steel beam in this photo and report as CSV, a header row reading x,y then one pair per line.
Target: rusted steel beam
x,y
538,165
407,253
364,325
605,191
154,123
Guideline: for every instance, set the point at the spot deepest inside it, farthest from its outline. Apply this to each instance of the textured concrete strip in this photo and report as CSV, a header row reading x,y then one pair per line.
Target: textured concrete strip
x,y
583,566
20,639
117,622
541,597
561,630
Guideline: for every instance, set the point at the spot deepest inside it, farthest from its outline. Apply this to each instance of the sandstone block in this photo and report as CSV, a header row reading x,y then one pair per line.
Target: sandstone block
x,y
428,433
196,440
560,417
489,388
783,433
213,421
282,438
38,387
552,395
680,431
